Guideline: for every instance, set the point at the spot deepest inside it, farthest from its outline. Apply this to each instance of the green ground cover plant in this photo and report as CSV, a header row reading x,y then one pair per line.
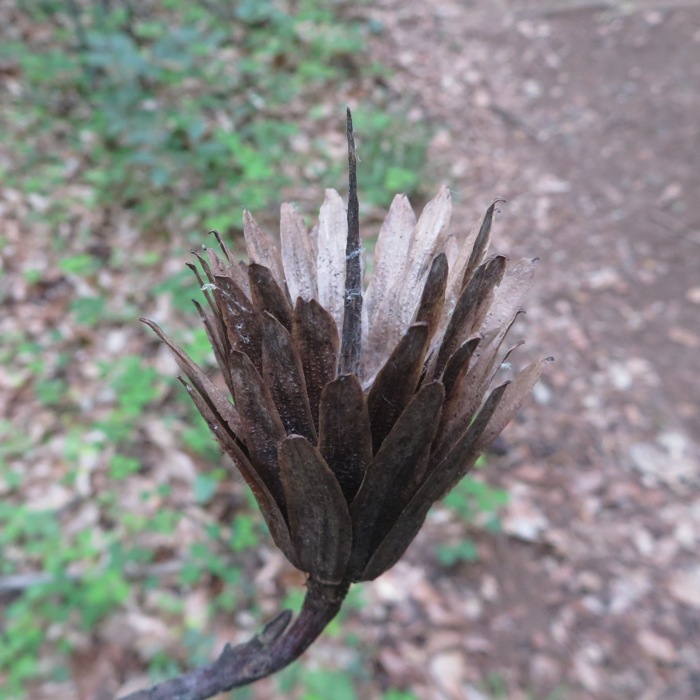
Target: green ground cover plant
x,y
181,112
476,503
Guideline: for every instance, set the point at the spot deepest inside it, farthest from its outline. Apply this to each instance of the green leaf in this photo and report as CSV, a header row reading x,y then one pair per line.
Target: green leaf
x,y
205,487
448,555
80,264
191,573
88,311
243,533
50,391
121,467
321,685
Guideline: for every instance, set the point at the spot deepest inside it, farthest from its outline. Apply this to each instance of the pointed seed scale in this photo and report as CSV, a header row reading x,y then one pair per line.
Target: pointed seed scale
x,y
345,437
298,255
510,293
205,387
427,240
448,470
261,425
433,298
284,376
470,309
316,341
268,296
261,248
513,397
458,364
332,239
224,248
318,517
390,256
481,243
268,505
394,473
396,382
436,484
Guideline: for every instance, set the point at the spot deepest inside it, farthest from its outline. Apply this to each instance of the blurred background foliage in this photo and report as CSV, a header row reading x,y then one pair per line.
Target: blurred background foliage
x,y
182,112
130,129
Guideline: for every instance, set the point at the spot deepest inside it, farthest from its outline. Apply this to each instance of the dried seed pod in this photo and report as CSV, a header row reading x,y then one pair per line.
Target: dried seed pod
x,y
347,435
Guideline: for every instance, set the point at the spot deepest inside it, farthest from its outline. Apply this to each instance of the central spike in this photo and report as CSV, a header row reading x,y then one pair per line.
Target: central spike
x,y
352,321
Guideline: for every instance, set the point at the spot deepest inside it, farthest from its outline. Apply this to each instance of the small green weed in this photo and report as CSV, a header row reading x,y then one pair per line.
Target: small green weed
x,y
474,502
58,597
173,109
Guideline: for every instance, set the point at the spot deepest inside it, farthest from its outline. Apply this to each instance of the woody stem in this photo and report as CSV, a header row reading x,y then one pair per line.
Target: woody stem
x,y
264,654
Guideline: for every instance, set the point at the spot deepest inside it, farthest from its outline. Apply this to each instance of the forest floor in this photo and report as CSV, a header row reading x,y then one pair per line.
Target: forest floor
x,y
584,117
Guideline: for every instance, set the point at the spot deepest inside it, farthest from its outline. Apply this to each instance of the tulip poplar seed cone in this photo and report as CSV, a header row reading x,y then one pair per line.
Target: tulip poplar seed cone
x,y
352,412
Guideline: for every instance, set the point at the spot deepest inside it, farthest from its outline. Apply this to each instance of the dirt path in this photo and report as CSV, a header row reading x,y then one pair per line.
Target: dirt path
x,y
586,120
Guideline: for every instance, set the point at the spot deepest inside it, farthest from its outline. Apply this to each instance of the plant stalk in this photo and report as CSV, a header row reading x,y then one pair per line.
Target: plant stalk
x,y
263,655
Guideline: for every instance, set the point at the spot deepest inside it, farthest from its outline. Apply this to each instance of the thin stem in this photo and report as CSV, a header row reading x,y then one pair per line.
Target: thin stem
x,y
352,320
266,653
